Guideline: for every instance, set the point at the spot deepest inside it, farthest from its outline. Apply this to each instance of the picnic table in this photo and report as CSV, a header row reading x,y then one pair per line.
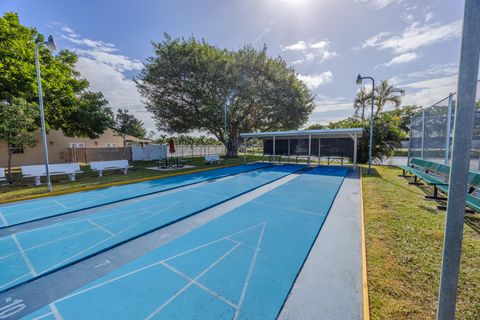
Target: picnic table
x,y
171,162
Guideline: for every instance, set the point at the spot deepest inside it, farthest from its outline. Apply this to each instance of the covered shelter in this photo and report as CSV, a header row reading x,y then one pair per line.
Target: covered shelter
x,y
309,143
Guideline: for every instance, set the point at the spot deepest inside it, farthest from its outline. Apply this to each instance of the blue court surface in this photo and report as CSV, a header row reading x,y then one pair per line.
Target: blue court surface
x,y
12,214
240,265
41,250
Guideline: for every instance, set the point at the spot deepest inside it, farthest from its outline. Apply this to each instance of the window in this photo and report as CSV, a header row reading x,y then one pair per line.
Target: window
x,y
16,148
77,145
111,145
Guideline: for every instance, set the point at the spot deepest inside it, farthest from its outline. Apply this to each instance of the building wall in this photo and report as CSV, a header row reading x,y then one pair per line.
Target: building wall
x,y
58,148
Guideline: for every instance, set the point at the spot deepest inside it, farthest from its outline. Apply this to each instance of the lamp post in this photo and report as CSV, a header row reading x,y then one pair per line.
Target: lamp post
x,y
50,44
359,81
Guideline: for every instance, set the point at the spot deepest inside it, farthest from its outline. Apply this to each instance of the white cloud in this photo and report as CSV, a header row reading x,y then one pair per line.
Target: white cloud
x,y
415,36
310,51
100,63
299,46
330,109
403,58
426,92
428,86
316,80
379,4
434,71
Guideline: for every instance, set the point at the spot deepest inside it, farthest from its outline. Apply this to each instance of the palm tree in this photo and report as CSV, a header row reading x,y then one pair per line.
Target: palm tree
x,y
386,93
360,101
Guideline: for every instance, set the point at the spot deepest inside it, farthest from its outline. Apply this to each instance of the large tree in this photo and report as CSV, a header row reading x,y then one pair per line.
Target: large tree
x,y
17,125
69,106
188,83
127,124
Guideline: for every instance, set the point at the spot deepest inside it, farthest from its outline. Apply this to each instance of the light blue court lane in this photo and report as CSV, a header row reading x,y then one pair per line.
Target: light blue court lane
x,y
48,248
238,266
15,213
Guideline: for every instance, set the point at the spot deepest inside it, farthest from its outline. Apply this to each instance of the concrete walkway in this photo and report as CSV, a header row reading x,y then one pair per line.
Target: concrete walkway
x,y
329,285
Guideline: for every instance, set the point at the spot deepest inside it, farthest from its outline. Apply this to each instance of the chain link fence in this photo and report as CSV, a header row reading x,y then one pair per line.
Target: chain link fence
x,y
431,132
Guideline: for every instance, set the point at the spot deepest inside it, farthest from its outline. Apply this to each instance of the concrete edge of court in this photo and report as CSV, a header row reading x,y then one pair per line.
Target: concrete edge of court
x,y
112,184
331,284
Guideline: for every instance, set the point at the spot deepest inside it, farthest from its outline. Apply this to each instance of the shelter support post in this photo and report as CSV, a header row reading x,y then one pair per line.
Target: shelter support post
x,y
319,144
309,147
273,149
288,150
355,144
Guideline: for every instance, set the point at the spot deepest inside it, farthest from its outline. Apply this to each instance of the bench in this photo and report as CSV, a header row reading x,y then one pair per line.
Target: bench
x,y
211,159
37,171
2,175
422,170
101,166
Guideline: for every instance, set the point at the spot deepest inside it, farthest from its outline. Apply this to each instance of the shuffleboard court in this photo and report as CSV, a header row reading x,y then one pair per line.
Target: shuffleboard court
x,y
42,250
16,213
241,265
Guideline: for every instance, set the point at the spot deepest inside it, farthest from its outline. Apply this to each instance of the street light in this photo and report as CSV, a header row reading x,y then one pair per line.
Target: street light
x,y
359,81
50,44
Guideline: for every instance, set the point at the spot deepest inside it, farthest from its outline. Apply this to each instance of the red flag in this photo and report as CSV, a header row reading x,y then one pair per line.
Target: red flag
x,y
171,146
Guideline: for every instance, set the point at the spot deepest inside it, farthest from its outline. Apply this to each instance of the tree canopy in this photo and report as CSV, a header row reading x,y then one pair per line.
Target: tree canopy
x,y
69,106
17,125
127,124
187,84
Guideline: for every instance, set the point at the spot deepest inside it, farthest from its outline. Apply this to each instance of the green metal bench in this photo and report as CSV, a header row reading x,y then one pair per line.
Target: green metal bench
x,y
472,201
421,169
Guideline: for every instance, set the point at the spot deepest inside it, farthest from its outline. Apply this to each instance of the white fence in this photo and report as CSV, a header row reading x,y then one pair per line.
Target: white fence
x,y
149,152
197,151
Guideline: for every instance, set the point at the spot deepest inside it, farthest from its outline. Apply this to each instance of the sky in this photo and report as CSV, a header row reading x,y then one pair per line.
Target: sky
x,y
414,45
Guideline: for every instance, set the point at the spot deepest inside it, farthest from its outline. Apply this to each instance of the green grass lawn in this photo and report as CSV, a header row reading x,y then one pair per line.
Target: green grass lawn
x,y
404,239
26,188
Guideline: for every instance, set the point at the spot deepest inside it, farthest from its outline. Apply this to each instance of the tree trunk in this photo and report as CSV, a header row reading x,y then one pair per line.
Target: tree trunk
x,y
232,147
10,176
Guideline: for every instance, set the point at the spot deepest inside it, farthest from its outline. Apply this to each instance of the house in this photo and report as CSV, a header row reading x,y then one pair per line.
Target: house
x,y
109,146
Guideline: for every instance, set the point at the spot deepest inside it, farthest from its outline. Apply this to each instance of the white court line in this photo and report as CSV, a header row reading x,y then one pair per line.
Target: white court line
x,y
55,311
24,256
179,292
201,286
100,227
104,240
155,264
250,272
15,280
286,208
64,237
43,316
60,204
2,217
241,243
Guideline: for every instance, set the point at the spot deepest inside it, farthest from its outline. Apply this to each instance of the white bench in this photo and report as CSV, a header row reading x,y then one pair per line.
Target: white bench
x,y
213,158
101,166
37,171
2,174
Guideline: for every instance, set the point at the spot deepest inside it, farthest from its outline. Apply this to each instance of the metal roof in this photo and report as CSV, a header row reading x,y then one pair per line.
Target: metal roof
x,y
323,133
